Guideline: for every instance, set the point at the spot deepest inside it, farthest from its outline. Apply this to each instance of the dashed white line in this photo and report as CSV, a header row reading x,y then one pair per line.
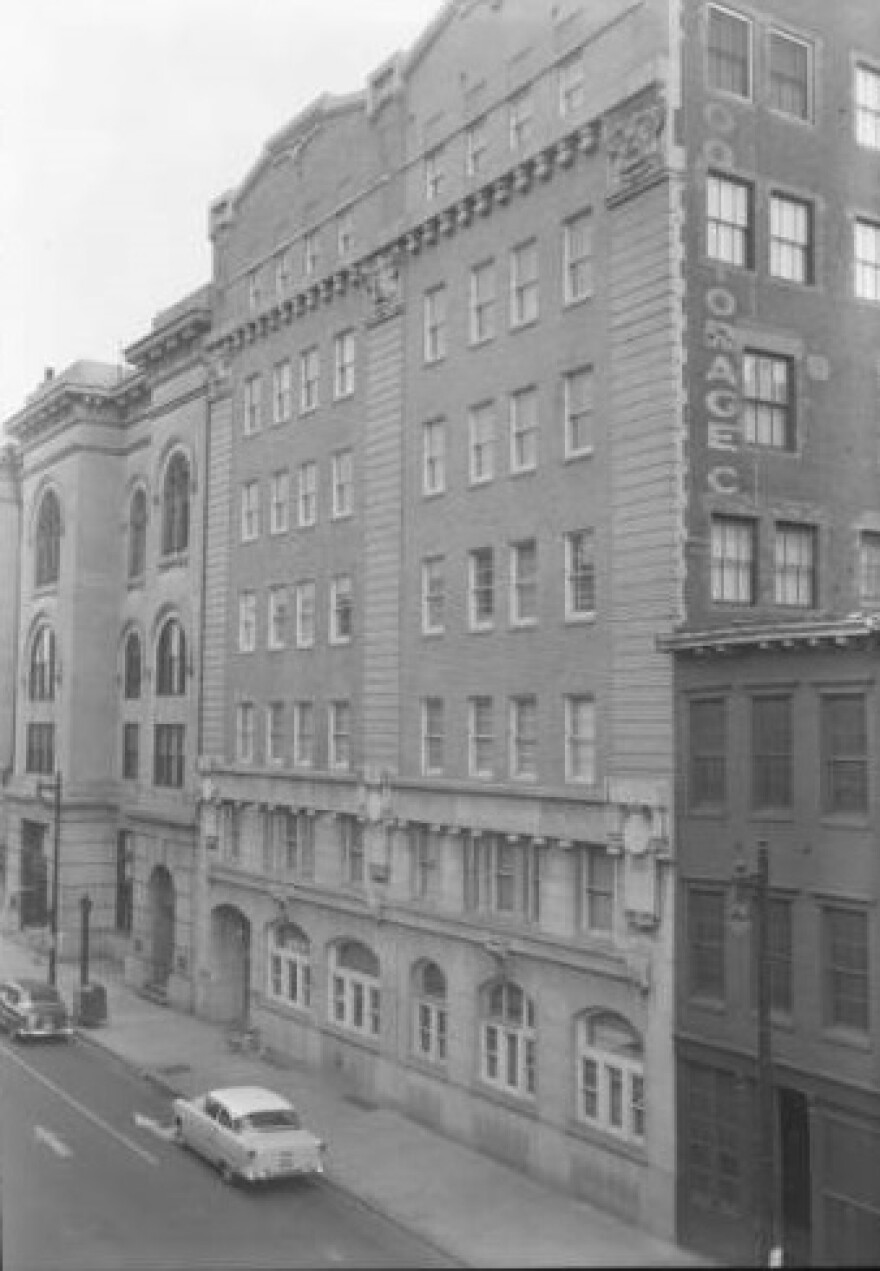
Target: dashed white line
x,y
42,1135
166,1132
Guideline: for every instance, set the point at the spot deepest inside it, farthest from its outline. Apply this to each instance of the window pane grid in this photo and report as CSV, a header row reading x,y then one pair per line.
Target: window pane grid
x,y
867,93
791,239
795,561
767,400
733,551
729,52
729,218
867,251
790,72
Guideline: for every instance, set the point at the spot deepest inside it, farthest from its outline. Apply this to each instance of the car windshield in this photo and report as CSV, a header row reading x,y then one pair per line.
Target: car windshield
x,y
44,994
271,1119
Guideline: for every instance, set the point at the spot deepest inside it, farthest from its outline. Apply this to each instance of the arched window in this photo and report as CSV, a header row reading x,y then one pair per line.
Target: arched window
x,y
171,660
290,966
429,1016
175,505
41,677
48,541
611,1075
137,534
508,1040
132,686
355,997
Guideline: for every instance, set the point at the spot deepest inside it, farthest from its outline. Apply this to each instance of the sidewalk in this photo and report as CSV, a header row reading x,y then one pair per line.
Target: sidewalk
x,y
476,1211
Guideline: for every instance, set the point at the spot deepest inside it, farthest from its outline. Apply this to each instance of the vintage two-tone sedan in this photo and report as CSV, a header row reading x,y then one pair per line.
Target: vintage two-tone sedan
x,y
31,1008
248,1133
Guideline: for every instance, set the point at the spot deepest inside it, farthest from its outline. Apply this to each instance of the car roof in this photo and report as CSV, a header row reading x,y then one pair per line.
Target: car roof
x,y
31,984
241,1101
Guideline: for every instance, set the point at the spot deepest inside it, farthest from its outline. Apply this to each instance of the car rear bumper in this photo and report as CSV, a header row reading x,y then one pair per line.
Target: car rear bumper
x,y
35,1031
266,1171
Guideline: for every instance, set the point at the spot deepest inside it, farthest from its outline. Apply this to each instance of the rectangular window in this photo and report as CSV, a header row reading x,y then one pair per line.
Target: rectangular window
x,y
707,785
311,253
275,738
124,882
844,739
791,239
168,755
341,610
131,744
481,588
524,738
433,735
283,273
772,755
733,560
253,408
521,121
580,575
305,615
729,220
253,284
768,400
795,571
304,734
434,457
578,408
422,868
571,85
282,392
791,75
279,501
277,617
343,483
476,147
299,845
577,243
779,960
340,735
714,1139
250,511
481,737
845,959
353,861
435,324
524,583
502,876
435,174
869,567
345,234
867,260
867,98
307,501
705,933
524,430
580,740
729,47
433,594
481,443
310,377
343,364
524,284
481,314
247,622
244,732
597,891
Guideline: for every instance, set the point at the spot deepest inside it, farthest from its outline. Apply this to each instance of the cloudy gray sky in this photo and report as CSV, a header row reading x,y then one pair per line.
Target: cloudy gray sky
x,y
120,122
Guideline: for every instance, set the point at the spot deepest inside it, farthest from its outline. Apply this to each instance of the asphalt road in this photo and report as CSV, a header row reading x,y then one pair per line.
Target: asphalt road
x,y
91,1181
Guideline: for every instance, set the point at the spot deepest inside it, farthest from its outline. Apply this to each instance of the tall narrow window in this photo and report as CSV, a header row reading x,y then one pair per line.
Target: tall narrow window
x,y
791,239
175,505
867,113
434,457
282,392
345,234
524,583
481,443
435,324
41,674
171,660
844,737
610,1056
729,220
733,560
706,925
524,737
476,146
772,757
132,669
253,405
597,891
729,52
47,564
578,258
307,501
310,376
791,75
430,1021
340,735
481,737
869,567
305,615
342,471
304,734
433,735
580,575
244,732
341,609
707,783
578,412
795,575
508,1039
433,594
482,302
580,739
867,260
247,622
169,754
343,364
279,501
571,85
277,617
521,121
768,400
435,173
137,534
846,967
250,511
524,430
524,284
481,588
311,253
275,735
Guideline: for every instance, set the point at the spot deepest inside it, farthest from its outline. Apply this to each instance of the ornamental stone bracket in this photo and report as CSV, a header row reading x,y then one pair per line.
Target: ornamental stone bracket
x,y
635,144
638,833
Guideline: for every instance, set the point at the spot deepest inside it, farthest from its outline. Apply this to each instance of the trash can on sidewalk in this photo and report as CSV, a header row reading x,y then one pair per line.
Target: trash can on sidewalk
x,y
90,1005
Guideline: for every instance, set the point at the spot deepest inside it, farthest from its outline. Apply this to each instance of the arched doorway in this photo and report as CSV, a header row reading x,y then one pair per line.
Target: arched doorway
x,y
231,961
161,893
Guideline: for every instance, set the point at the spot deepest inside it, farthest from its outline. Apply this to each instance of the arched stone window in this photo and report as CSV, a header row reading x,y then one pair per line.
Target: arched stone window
x,y
508,1039
429,1012
137,534
611,1075
355,995
133,664
41,675
175,505
47,566
290,965
171,660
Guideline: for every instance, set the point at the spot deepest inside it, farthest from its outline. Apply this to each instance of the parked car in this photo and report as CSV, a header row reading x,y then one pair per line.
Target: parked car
x,y
248,1133
32,1008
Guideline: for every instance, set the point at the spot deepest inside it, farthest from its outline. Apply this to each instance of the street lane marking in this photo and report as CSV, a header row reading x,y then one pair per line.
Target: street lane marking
x,y
42,1135
166,1132
82,1109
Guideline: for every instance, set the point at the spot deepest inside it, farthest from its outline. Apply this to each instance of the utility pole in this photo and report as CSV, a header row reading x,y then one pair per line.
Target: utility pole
x,y
766,1174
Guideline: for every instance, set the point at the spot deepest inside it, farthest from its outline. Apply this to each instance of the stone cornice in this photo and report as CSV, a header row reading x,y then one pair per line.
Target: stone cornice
x,y
169,339
825,633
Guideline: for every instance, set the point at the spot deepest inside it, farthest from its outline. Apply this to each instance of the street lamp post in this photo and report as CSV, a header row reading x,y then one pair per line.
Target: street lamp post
x,y
44,787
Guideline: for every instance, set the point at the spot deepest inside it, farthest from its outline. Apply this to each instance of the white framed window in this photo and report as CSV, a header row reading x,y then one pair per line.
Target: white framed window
x,y
866,91
342,469
254,290
869,567
340,735
795,573
578,396
289,965
729,49
277,616
596,870
282,392
283,273
351,841
433,595
791,75
247,622
481,737
275,736
435,324
502,875
580,575
244,732
252,421
430,1013
434,456
867,260
524,284
521,121
343,364
435,173
298,840
310,379
571,85
433,735
250,511
355,996
733,560
524,737
481,443
341,609
305,615
791,239
481,589
580,739
524,583
577,251
279,501
611,1076
423,862
307,494
729,220
311,253
768,400
476,146
481,312
508,1039
524,430
304,734
345,234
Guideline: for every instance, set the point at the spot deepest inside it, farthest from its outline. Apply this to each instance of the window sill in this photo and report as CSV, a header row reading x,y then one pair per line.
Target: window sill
x,y
523,472
482,342
331,1028
574,456
434,634
305,411
845,820
525,1104
523,624
433,494
711,1004
716,812
475,483
434,361
581,619
435,1068
135,584
526,325
285,1010
572,302
342,516
47,589
482,630
848,1037
608,1141
174,560
776,816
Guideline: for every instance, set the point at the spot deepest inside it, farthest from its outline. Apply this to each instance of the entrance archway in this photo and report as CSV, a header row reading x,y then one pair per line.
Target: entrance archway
x,y
231,960
161,901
